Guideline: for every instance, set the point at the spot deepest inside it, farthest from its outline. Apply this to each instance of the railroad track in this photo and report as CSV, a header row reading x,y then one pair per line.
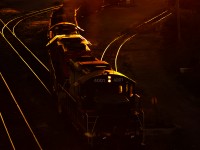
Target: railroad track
x,y
27,93
23,73
111,52
32,62
37,70
21,135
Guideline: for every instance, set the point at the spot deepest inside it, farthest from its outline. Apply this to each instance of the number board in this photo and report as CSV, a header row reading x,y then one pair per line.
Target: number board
x,y
99,80
118,79
114,79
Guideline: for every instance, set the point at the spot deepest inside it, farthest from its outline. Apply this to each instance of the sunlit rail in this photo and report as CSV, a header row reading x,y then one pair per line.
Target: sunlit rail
x,y
27,64
7,132
116,57
21,19
28,15
154,20
110,45
163,18
164,13
21,112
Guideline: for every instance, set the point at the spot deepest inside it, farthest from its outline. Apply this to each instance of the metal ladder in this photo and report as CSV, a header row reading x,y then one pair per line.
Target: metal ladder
x,y
91,122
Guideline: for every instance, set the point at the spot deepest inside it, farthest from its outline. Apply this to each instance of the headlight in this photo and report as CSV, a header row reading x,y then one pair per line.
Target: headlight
x,y
89,135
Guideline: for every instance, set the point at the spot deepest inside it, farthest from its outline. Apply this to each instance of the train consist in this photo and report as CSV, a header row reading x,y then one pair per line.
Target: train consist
x,y
100,102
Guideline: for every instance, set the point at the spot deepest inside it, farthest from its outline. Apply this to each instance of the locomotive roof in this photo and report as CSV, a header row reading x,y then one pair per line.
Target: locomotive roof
x,y
89,66
70,36
65,24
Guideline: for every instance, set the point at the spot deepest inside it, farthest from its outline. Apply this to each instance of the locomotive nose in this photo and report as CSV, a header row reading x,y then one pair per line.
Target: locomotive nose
x,y
112,104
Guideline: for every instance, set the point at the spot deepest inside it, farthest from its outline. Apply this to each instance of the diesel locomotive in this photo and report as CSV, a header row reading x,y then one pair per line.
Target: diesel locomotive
x,y
100,102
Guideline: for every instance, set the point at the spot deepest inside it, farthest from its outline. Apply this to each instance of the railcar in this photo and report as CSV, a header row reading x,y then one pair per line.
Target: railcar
x,y
66,12
63,21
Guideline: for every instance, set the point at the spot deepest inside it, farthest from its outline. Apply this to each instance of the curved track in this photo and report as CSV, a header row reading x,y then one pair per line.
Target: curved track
x,y
111,52
38,68
23,73
25,80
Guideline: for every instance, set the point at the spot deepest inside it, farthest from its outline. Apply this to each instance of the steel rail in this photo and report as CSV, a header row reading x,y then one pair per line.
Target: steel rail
x,y
7,132
35,14
26,64
26,48
162,18
13,31
116,57
23,17
21,112
110,45
5,25
154,20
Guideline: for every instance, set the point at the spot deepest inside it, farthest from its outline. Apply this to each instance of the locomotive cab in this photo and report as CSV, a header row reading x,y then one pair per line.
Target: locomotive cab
x,y
108,100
